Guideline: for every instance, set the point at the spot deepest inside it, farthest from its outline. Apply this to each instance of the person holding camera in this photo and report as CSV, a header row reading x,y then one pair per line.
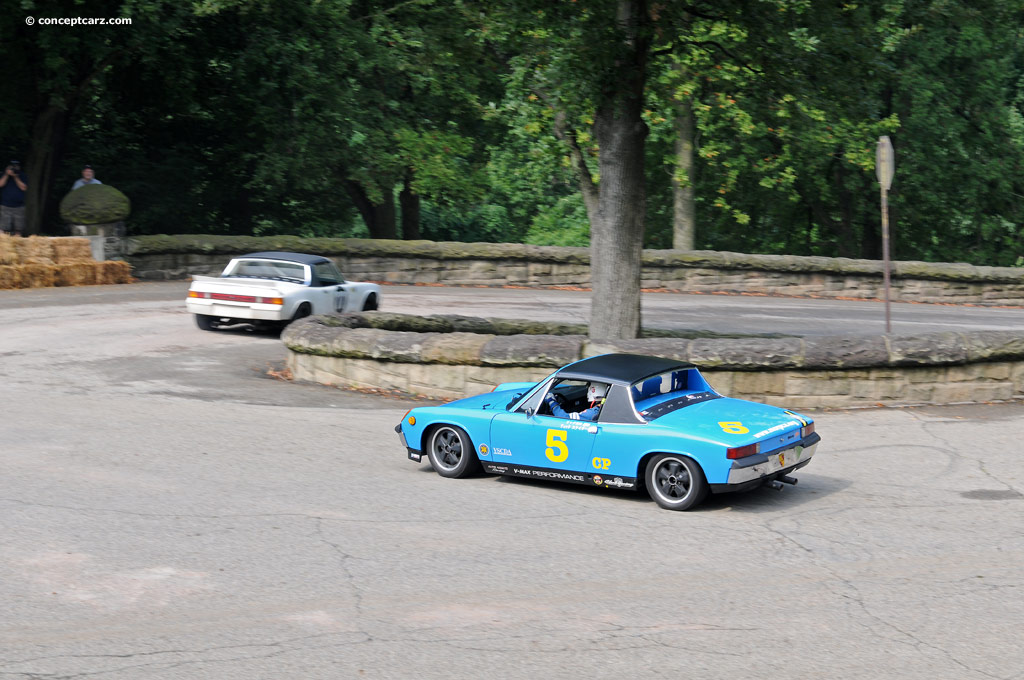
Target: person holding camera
x,y
88,177
12,199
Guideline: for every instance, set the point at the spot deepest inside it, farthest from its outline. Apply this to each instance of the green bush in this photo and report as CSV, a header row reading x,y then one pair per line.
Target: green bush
x,y
562,224
95,204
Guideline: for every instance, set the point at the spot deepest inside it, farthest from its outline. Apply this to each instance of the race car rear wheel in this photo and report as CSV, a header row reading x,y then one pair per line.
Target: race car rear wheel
x,y
451,452
675,482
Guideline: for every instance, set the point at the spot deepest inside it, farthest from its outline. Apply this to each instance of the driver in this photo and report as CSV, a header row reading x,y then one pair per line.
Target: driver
x,y
596,393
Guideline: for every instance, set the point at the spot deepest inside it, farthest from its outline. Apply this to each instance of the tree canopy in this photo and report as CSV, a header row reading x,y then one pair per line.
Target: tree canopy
x,y
747,126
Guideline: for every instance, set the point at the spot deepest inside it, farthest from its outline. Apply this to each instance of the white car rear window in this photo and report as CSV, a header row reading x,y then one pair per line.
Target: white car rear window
x,y
267,269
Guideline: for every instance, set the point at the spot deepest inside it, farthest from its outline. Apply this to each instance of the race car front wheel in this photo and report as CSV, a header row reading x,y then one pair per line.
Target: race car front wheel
x,y
451,452
675,482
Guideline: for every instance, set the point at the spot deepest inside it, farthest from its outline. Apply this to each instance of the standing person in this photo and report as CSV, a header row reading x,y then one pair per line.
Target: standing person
x,y
88,177
12,199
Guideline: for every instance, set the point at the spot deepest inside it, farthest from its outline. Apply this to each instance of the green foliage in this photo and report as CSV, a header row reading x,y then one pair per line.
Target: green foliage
x,y
562,224
481,223
270,117
95,204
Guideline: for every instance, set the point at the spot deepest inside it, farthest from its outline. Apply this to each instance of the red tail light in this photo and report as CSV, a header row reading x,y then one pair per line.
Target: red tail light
x,y
743,451
237,298
806,430
232,298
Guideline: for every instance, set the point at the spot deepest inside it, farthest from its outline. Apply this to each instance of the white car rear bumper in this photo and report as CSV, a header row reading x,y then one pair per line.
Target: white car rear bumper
x,y
236,310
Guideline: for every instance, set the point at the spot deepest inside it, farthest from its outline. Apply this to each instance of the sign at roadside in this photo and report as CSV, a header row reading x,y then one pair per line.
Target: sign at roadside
x,y
885,168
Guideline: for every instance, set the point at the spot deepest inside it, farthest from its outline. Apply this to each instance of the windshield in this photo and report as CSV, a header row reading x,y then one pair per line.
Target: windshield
x,y
265,269
530,400
660,394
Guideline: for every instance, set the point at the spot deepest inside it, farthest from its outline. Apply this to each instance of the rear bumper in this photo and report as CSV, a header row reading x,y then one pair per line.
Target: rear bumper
x,y
767,467
236,310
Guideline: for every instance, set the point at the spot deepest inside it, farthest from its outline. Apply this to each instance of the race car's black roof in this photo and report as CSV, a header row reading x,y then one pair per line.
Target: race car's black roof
x,y
301,258
622,369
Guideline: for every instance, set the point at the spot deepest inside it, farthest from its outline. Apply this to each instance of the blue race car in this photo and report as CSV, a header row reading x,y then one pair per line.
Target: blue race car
x,y
616,420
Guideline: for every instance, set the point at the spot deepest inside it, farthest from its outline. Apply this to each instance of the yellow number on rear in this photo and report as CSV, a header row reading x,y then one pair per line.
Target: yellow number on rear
x,y
733,427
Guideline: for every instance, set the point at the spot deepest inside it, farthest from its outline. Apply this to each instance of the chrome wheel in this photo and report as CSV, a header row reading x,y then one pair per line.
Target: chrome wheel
x,y
675,482
451,452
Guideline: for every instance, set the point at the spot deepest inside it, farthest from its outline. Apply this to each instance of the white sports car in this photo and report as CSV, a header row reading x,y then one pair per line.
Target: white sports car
x,y
275,289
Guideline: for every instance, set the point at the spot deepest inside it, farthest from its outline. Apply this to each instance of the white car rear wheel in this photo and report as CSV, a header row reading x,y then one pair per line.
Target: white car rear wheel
x,y
206,322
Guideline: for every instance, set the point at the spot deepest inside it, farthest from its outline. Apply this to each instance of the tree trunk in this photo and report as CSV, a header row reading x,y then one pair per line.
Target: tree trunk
x,y
378,217
48,132
684,213
410,204
617,230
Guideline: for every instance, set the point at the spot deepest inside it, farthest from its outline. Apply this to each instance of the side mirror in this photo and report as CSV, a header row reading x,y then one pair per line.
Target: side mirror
x,y
529,413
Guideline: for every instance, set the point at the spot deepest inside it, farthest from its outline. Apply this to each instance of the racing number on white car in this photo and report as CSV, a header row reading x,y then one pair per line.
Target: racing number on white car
x,y
733,427
557,451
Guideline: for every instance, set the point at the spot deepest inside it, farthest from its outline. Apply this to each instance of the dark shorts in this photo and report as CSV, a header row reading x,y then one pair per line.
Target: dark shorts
x,y
12,220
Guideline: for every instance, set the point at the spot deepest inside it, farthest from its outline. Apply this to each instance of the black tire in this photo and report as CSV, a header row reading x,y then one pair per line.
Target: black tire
x,y
302,312
371,303
675,482
451,452
206,322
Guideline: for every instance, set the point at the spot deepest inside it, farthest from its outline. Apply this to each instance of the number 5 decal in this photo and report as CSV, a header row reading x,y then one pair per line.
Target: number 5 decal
x,y
733,427
557,451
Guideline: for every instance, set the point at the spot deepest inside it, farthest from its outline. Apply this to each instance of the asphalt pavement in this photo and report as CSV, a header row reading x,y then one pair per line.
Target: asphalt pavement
x,y
169,509
740,314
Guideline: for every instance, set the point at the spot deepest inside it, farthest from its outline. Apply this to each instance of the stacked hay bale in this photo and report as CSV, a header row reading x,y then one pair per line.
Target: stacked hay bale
x,y
73,258
10,277
41,262
35,262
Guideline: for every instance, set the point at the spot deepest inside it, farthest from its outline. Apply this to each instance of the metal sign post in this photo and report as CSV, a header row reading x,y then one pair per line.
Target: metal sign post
x,y
885,168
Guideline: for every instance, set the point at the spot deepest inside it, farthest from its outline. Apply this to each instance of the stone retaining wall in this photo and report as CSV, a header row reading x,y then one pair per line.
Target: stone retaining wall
x,y
816,372
506,264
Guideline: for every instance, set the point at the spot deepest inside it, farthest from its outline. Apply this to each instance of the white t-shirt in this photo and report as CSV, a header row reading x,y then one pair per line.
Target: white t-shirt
x,y
82,182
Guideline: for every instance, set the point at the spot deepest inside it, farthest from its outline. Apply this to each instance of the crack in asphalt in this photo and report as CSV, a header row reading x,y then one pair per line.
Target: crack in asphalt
x,y
856,599
344,558
294,515
853,594
275,648
928,427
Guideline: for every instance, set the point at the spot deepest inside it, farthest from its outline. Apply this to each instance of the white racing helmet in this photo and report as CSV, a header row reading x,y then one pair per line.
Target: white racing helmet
x,y
596,391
